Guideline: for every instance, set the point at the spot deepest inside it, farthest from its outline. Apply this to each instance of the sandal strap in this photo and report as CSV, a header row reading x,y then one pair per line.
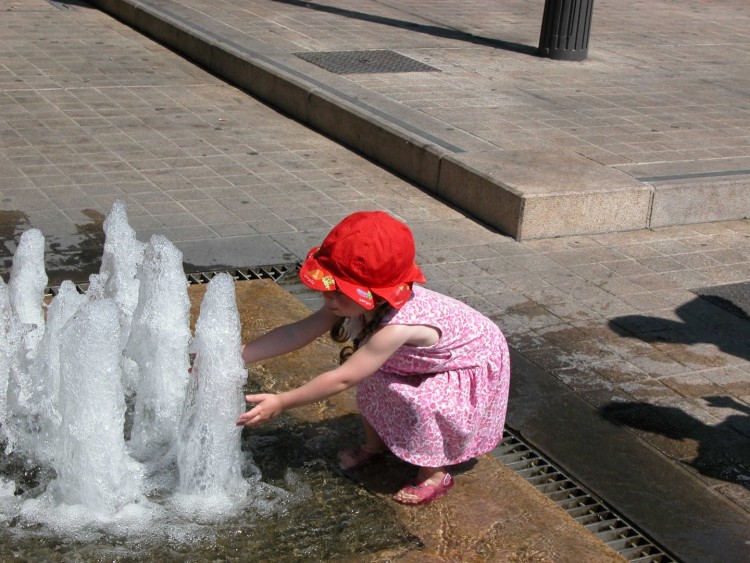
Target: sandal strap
x,y
425,492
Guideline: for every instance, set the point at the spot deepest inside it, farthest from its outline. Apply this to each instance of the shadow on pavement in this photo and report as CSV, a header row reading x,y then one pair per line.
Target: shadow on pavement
x,y
725,329
720,452
419,28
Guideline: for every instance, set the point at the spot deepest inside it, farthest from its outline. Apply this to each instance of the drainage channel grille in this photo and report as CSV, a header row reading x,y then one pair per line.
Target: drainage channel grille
x,y
579,503
365,62
275,273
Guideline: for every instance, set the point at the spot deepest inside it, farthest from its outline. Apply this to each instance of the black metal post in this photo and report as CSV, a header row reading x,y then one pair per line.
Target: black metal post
x,y
566,26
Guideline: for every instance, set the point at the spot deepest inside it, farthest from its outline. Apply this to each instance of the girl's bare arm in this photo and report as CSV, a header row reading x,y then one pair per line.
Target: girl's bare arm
x,y
361,364
288,338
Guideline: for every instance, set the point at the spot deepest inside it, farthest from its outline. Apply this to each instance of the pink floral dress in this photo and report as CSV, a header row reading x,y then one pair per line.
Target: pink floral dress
x,y
441,404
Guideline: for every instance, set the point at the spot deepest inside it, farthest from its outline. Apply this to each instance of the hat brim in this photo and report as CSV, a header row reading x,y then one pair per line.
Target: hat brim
x,y
316,277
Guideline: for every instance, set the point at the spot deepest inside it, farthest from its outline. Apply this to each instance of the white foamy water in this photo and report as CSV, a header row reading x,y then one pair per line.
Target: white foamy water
x,y
91,463
9,339
28,280
64,397
208,448
117,279
158,345
44,407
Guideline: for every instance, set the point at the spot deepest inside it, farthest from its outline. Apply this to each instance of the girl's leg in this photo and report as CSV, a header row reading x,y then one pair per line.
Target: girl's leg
x,y
430,474
373,447
373,441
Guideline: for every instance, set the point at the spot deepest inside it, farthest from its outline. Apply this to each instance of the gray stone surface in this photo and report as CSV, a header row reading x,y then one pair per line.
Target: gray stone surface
x,y
91,111
699,201
623,105
564,194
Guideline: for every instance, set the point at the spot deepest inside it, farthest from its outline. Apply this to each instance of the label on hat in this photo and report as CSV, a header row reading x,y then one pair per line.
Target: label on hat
x,y
362,293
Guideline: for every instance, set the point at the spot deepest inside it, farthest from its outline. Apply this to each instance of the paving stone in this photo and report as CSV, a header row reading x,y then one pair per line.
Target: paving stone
x,y
691,385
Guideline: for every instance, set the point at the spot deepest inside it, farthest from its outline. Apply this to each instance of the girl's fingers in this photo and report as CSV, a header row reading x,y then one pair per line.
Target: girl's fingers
x,y
259,413
247,419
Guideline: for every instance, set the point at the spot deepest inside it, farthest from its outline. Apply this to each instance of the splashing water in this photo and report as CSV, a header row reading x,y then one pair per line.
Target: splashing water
x,y
25,331
122,256
91,462
209,442
64,395
45,372
9,340
28,280
158,346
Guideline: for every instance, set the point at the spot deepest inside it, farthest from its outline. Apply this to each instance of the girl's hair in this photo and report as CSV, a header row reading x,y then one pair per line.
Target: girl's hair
x,y
339,331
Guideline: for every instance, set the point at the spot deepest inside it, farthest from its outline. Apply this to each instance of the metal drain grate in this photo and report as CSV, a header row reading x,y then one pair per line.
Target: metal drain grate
x,y
365,62
276,273
733,297
579,503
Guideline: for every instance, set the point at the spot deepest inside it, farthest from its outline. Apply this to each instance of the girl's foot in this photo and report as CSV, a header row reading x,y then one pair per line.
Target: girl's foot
x,y
351,458
426,491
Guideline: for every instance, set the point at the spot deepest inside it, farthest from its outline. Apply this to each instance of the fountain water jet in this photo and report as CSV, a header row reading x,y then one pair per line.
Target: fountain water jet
x,y
24,333
46,373
91,463
63,392
209,459
28,280
209,443
9,337
158,346
123,254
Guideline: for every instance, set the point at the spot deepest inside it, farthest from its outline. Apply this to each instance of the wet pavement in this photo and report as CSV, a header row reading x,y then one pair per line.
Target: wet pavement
x,y
629,372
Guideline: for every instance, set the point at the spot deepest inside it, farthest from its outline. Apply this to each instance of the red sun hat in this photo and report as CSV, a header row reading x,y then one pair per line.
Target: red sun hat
x,y
367,254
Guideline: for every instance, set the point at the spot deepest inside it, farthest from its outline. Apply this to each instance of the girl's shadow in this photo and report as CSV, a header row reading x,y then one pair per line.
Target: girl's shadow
x,y
713,320
723,450
312,447
387,475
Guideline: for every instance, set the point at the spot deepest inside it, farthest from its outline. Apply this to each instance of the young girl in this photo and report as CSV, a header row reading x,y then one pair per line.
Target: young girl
x,y
432,374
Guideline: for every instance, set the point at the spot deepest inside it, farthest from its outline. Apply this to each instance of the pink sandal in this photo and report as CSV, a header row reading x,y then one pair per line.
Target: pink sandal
x,y
351,458
425,492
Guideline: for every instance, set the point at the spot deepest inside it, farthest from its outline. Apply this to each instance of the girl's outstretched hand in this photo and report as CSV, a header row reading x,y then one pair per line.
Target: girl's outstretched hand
x,y
266,407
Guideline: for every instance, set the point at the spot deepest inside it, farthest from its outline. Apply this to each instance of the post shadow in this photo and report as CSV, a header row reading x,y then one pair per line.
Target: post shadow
x,y
435,31
64,4
723,450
